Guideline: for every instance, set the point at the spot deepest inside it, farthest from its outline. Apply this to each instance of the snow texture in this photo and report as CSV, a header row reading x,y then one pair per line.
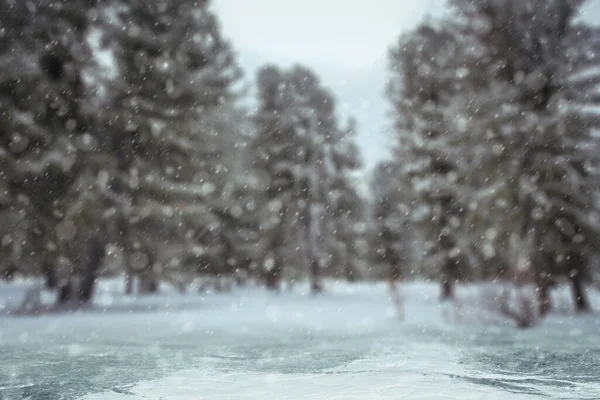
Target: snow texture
x,y
250,344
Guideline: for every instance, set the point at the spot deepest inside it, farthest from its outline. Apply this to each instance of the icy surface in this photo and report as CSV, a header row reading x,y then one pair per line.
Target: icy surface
x,y
345,344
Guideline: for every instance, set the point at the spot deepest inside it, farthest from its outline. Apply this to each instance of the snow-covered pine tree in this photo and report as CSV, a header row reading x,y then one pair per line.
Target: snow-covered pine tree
x,y
520,76
167,114
533,110
296,123
346,211
432,166
46,121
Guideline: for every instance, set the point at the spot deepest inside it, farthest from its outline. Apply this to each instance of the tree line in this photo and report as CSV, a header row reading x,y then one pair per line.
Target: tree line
x,y
125,150
495,172
122,129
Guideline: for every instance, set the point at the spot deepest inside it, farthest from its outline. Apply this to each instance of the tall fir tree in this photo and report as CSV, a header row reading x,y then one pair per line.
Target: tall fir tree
x,y
167,113
539,56
345,205
297,131
508,84
422,89
48,125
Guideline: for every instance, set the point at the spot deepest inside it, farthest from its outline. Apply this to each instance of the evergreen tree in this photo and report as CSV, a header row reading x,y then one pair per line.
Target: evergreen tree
x,y
296,130
346,209
434,170
47,123
165,113
495,96
539,56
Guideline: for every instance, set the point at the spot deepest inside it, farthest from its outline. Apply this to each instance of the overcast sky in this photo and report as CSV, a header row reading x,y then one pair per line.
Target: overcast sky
x,y
345,42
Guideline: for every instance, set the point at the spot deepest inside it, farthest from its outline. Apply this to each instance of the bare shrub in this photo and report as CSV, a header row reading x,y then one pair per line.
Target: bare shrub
x,y
397,299
521,310
495,304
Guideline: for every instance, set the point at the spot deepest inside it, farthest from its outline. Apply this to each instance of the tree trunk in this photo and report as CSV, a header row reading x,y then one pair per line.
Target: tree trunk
x,y
448,280
153,285
397,299
272,278
316,286
148,283
394,271
148,279
538,263
90,274
123,231
581,301
50,280
542,283
542,280
575,265
447,243
128,282
313,220
65,292
312,238
242,275
447,289
350,275
10,272
394,274
543,295
349,271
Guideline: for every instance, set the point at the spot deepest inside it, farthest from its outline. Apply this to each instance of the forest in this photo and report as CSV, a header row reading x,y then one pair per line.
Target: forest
x,y
128,148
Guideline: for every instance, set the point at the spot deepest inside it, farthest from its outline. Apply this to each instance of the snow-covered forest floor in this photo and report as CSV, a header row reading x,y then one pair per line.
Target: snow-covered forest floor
x,y
346,343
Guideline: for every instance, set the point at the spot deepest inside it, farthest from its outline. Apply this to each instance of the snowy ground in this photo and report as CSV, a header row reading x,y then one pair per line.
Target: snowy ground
x,y
345,344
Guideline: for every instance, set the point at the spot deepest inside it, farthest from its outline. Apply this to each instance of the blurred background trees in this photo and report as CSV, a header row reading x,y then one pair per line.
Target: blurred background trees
x,y
125,150
496,125
122,130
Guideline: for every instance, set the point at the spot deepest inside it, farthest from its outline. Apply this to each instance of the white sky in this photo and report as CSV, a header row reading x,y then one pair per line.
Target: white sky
x,y
344,41
342,33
